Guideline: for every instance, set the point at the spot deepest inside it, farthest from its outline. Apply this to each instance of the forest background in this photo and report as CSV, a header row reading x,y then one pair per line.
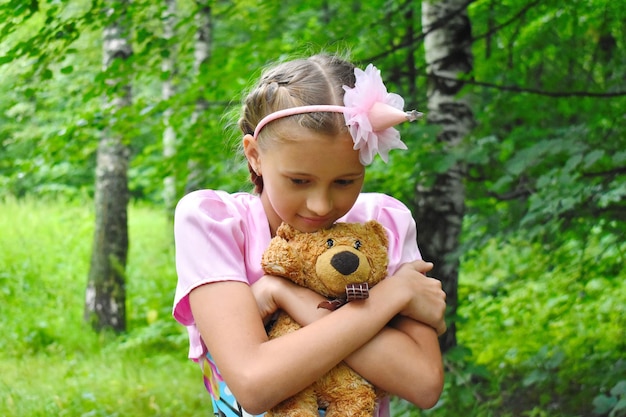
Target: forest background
x,y
538,313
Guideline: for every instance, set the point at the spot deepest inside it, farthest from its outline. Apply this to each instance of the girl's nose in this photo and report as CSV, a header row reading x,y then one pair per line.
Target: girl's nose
x,y
320,203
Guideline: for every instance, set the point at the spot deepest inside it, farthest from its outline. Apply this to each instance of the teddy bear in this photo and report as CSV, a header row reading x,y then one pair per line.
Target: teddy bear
x,y
341,263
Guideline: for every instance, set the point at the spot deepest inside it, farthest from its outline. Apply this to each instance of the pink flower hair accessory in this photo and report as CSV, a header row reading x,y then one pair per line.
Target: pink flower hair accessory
x,y
370,112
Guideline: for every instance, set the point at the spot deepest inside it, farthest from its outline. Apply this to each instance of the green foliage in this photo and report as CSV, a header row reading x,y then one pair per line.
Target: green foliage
x,y
60,99
541,319
541,333
548,324
614,403
548,153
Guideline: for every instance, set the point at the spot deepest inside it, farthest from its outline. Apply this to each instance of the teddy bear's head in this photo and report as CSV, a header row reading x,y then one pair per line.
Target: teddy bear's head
x,y
328,260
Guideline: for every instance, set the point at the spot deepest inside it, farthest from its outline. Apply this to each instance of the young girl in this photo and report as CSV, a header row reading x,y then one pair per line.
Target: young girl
x,y
310,126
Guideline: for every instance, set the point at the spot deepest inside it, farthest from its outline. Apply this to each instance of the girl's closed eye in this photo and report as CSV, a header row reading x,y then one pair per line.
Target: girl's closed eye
x,y
344,183
298,181
340,182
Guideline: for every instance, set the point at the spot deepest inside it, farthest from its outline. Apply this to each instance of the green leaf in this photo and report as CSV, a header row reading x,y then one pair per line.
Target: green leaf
x,y
443,163
536,376
619,157
573,162
592,157
46,74
502,183
619,389
603,404
620,406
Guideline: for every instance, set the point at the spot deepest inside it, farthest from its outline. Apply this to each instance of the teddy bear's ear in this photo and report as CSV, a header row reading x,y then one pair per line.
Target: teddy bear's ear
x,y
286,231
281,259
378,229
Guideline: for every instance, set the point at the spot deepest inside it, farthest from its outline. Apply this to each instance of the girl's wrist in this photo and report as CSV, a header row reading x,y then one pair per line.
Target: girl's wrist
x,y
399,291
277,288
299,302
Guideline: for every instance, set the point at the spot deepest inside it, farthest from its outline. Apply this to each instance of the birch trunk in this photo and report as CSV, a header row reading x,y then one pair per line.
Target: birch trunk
x,y
441,206
167,92
105,297
202,54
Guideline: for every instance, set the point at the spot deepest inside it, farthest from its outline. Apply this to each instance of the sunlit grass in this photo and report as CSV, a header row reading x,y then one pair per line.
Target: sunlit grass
x,y
51,363
100,383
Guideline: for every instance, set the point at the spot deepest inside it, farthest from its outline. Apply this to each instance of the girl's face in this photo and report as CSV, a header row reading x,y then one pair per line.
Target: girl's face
x,y
309,182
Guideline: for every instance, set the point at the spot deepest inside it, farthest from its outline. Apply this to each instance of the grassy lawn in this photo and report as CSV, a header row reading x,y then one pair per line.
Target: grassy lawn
x,y
52,363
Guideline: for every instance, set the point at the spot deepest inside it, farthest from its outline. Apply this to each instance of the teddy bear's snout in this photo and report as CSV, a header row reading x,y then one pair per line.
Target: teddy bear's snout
x,y
341,265
345,262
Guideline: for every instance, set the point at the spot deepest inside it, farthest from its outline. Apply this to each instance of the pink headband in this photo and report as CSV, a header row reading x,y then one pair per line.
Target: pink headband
x,y
370,112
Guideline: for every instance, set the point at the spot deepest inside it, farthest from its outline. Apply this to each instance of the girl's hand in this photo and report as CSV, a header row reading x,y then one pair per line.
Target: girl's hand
x,y
420,266
428,301
264,291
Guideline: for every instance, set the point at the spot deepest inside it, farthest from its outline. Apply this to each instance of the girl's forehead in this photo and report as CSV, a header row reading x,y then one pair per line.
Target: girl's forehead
x,y
314,153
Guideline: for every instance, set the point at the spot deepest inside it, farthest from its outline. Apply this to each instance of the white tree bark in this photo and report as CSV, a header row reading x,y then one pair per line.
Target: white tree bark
x,y
167,92
202,55
441,207
105,296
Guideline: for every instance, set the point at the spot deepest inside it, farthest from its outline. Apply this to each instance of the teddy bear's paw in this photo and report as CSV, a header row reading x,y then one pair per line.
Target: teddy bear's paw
x,y
303,404
291,413
356,408
275,269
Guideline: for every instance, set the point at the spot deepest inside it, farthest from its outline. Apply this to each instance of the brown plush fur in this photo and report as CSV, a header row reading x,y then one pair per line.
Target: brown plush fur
x,y
325,261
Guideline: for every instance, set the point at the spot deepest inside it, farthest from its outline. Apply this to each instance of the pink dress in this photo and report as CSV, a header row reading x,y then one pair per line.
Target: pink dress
x,y
221,237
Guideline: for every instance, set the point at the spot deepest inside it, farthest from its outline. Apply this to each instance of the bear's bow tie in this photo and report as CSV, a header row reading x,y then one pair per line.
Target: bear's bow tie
x,y
355,291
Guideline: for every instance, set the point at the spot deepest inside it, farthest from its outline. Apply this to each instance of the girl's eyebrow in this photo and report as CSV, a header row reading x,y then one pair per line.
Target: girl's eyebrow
x,y
307,174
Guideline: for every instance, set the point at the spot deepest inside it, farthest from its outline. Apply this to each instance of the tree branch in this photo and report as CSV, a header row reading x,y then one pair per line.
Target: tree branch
x,y
515,17
607,173
412,40
518,89
513,88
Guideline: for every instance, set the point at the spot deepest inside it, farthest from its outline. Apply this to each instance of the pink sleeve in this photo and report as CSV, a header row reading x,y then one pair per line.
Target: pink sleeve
x,y
398,222
401,231
209,240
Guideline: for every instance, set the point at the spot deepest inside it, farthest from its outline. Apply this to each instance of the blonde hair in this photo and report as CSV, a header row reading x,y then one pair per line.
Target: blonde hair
x,y
318,79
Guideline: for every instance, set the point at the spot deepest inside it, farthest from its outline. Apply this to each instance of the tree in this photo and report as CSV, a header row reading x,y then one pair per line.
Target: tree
x,y
202,55
168,66
105,296
441,204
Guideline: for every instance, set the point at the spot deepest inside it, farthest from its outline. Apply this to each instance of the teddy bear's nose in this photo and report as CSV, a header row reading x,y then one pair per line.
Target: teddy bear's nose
x,y
345,262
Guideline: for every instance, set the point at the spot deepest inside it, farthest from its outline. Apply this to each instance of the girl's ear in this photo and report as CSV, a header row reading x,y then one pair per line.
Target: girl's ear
x,y
251,151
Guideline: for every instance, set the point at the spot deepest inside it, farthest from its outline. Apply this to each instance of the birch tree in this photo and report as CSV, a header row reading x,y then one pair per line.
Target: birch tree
x,y
167,92
105,297
441,205
202,54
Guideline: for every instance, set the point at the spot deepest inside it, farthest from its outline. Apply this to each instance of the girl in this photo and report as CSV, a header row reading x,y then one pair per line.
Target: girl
x,y
310,126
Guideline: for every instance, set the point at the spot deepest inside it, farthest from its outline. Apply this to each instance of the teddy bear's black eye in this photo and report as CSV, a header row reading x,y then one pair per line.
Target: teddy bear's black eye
x,y
357,244
330,243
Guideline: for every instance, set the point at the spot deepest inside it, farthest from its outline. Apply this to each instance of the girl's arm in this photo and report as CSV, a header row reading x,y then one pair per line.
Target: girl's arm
x,y
262,372
403,359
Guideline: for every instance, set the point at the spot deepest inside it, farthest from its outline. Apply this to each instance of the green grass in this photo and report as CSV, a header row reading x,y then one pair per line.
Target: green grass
x,y
51,362
541,332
